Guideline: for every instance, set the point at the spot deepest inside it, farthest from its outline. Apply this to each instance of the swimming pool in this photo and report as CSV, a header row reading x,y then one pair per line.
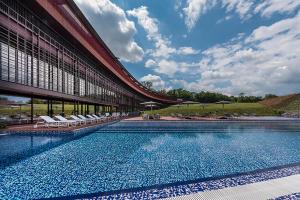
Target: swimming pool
x,y
139,154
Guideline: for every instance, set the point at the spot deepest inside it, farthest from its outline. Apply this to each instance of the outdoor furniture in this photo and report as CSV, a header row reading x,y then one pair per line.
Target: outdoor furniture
x,y
223,103
179,115
114,115
108,116
145,116
69,122
91,117
189,102
86,119
81,121
50,122
101,118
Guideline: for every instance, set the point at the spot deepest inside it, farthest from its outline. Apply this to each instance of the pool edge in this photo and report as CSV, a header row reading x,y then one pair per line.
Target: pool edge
x,y
193,186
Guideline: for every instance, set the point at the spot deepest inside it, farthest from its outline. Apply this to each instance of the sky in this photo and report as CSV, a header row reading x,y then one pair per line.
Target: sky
x,y
227,46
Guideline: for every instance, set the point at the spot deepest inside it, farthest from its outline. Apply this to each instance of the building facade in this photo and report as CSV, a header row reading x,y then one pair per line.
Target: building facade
x,y
48,50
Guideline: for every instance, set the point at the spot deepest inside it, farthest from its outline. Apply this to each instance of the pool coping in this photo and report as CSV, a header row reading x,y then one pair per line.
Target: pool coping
x,y
84,130
78,131
177,188
215,120
193,186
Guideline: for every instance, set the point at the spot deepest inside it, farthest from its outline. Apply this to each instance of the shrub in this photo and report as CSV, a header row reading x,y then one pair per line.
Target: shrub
x,y
2,125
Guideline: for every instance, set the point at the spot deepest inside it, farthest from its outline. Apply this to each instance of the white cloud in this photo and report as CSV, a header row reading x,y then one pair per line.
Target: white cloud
x,y
177,5
187,51
114,28
241,7
160,60
267,61
171,67
167,67
162,45
268,7
150,63
157,82
194,9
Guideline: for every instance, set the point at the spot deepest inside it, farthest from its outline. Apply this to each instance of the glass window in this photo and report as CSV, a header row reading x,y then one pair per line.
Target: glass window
x,y
4,62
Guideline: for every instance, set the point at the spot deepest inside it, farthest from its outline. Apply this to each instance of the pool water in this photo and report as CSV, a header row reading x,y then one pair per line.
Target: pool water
x,y
138,154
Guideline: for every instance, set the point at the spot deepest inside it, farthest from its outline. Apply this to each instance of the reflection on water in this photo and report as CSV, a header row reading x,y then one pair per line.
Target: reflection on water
x,y
17,147
129,155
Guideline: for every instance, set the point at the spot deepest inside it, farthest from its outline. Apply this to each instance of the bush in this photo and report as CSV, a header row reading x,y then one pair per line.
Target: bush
x,y
278,112
2,125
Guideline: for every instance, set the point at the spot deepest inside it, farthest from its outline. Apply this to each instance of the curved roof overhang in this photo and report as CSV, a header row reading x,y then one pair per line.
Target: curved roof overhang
x,y
69,16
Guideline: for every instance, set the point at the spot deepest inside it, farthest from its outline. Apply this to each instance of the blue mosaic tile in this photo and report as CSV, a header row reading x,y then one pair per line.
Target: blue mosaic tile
x,y
294,196
155,160
179,189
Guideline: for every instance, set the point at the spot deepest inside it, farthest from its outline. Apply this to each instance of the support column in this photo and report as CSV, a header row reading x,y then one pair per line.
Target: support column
x,y
31,114
74,108
48,108
77,110
51,108
63,108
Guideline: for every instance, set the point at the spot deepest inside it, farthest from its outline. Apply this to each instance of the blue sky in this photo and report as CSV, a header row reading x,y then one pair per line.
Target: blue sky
x,y
228,46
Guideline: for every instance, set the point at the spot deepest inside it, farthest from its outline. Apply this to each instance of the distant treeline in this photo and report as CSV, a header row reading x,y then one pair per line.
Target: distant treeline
x,y
212,97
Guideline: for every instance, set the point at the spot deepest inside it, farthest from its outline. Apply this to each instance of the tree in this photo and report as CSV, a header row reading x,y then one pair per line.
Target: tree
x,y
147,84
269,96
163,91
3,98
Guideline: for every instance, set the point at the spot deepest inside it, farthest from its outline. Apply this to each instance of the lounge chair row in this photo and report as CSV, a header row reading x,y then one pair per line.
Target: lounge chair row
x,y
78,120
149,117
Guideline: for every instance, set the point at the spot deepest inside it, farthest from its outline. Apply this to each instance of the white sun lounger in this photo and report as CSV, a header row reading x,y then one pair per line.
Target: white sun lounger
x,y
102,118
87,119
108,116
94,118
70,122
49,122
81,121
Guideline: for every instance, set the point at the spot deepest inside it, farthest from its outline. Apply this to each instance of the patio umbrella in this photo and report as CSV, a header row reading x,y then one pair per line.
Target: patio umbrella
x,y
189,102
203,105
177,105
223,103
150,104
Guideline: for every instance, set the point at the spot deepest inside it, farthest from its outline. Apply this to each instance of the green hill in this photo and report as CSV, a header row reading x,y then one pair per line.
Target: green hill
x,y
218,110
288,103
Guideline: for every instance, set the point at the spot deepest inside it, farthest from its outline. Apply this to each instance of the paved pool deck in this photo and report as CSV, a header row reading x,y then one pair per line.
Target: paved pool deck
x,y
278,183
263,118
31,128
271,189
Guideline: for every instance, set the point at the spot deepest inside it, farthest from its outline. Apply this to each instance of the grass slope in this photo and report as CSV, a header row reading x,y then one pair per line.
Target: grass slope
x,y
217,109
286,103
38,109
